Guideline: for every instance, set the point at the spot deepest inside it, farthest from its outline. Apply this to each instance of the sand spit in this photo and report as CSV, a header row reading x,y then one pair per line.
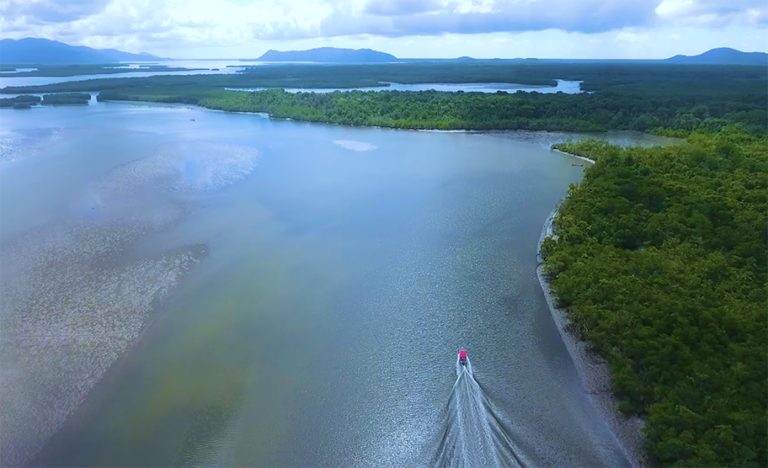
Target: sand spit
x,y
74,298
594,374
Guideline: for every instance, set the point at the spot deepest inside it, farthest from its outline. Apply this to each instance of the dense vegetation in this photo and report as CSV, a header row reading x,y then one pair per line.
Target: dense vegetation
x,y
440,110
66,99
660,259
20,102
669,99
398,109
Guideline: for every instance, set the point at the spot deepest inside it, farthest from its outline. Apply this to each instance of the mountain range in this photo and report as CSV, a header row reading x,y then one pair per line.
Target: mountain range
x,y
328,54
44,51
722,56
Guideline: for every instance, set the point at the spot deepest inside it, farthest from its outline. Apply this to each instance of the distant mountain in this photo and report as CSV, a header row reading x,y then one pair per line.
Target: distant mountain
x,y
465,58
44,51
328,54
722,56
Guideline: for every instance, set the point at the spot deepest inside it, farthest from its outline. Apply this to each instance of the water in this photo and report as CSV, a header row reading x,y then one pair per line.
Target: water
x,y
206,67
568,87
473,432
185,287
18,70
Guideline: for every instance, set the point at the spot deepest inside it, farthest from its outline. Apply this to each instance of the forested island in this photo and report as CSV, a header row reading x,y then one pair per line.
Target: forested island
x,y
66,99
660,259
24,101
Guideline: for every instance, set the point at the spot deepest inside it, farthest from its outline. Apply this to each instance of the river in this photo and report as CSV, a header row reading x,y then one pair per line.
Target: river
x,y
189,287
567,87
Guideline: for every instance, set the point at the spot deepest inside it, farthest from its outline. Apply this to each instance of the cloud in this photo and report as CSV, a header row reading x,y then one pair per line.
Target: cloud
x,y
713,13
167,24
400,7
43,11
403,18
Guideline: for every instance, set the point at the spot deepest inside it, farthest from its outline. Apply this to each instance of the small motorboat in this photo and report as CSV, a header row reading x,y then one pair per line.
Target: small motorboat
x,y
463,357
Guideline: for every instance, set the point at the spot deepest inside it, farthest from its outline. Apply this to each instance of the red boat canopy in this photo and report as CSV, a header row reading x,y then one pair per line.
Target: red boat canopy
x,y
462,354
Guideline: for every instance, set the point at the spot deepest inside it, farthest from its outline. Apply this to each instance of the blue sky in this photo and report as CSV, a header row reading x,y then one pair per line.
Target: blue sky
x,y
406,28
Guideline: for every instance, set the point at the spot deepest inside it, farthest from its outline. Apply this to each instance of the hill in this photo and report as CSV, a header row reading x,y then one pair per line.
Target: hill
x,y
722,56
328,54
44,51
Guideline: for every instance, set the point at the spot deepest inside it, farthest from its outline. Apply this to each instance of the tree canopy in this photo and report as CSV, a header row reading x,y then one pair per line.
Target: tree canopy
x,y
660,260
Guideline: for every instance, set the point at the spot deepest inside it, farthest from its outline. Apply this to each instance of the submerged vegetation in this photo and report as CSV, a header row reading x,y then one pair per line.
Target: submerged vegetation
x,y
660,259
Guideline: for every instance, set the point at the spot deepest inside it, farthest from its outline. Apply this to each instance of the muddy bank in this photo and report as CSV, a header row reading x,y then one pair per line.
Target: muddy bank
x,y
593,372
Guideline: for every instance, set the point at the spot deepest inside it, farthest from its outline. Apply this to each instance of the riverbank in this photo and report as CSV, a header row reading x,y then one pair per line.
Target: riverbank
x,y
591,161
593,371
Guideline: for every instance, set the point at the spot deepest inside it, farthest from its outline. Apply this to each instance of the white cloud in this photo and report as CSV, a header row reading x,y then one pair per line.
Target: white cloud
x,y
672,8
407,28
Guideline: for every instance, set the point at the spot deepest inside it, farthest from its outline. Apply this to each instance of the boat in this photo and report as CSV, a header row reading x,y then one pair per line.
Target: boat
x,y
463,357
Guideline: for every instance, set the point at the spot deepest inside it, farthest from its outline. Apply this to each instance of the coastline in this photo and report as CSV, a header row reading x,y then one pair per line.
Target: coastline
x,y
593,372
591,161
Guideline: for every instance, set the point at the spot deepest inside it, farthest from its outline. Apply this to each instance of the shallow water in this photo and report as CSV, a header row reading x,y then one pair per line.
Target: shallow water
x,y
299,292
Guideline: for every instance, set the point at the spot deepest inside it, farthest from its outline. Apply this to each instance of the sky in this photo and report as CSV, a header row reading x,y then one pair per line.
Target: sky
x,y
577,29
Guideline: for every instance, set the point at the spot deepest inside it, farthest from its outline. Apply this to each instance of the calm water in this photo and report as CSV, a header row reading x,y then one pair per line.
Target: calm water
x,y
567,87
207,66
278,294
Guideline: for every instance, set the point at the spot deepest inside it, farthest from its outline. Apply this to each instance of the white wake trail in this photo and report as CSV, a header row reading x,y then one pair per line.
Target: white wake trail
x,y
473,435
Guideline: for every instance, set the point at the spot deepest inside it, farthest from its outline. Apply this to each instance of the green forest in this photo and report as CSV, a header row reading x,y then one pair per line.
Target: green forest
x,y
26,101
667,99
66,99
478,111
20,102
660,259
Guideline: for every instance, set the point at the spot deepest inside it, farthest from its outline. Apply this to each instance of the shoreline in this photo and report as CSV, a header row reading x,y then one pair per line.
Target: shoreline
x,y
592,161
595,377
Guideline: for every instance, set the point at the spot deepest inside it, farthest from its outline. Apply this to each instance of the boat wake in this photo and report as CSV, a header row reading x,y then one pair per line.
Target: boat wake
x,y
473,434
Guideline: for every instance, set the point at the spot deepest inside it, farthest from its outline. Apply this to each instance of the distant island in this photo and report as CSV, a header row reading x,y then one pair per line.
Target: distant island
x,y
722,56
328,55
44,51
